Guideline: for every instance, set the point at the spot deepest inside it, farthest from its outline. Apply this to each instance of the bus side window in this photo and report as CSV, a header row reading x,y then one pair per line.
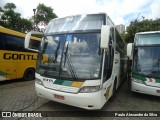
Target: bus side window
x,y
2,42
109,61
34,44
14,43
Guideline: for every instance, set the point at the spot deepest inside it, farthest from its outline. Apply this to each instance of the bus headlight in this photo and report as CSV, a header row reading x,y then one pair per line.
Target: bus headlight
x,y
89,89
138,80
38,81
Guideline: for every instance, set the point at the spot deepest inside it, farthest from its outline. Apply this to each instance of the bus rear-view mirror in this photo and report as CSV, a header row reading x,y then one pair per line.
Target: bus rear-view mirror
x,y
105,32
129,50
32,35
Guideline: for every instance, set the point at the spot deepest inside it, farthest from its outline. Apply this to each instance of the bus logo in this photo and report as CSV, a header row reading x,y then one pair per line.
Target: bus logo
x,y
48,80
10,56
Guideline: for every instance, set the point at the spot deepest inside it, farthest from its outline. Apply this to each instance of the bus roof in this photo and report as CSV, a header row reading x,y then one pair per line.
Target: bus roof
x,y
148,32
80,15
15,33
96,13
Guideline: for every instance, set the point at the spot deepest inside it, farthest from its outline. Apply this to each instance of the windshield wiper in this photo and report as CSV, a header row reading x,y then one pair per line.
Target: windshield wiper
x,y
155,73
148,74
99,48
51,60
65,53
56,51
139,73
69,62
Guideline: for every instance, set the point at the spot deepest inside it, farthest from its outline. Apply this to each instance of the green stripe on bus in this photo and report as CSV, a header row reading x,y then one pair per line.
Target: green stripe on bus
x,y
58,82
139,77
157,80
67,83
3,73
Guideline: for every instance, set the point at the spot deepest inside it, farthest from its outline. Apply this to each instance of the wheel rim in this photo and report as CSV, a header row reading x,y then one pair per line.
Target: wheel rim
x,y
29,75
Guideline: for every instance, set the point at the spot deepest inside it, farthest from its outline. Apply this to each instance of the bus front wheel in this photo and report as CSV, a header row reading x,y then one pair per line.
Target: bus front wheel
x,y
29,74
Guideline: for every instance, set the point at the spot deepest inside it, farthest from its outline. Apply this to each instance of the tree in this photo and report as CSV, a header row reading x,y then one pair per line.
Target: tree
x,y
141,26
12,20
24,25
10,6
44,14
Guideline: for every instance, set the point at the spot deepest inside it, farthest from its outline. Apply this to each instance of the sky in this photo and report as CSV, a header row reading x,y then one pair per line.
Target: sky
x,y
120,11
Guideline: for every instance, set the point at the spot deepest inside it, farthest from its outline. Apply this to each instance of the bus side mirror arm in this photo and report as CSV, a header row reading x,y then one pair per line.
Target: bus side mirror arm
x,y
27,40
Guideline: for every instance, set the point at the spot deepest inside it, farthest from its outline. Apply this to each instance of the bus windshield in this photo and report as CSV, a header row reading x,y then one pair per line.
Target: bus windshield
x,y
70,56
147,61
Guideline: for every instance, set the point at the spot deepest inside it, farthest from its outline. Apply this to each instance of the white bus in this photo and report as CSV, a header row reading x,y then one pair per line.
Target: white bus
x,y
145,56
85,61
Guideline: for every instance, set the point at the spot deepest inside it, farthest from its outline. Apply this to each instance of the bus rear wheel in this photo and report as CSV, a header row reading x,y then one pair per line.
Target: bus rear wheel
x,y
29,74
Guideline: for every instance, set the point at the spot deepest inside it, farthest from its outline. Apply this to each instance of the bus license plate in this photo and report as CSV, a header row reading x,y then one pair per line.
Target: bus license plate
x,y
59,97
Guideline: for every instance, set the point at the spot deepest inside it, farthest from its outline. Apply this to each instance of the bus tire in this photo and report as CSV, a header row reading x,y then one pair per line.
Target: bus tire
x,y
29,74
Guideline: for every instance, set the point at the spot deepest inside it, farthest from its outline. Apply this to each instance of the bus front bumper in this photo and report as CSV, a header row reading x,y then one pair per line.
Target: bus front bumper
x,y
145,89
81,100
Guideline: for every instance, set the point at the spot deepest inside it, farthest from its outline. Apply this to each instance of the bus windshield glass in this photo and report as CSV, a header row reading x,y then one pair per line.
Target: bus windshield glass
x,y
147,39
147,61
70,56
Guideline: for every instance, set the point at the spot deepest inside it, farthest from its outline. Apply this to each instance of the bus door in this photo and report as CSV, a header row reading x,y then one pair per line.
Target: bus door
x,y
11,70
108,75
117,66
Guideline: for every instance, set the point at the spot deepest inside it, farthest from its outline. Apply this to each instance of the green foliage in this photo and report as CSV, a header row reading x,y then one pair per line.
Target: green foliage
x,y
12,20
141,26
10,6
25,25
44,14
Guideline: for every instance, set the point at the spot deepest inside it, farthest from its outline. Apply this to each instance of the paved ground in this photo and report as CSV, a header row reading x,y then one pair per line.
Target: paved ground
x,y
20,96
15,96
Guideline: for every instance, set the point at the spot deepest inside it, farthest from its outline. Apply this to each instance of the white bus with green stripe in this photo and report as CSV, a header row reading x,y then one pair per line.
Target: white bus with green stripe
x,y
145,56
86,61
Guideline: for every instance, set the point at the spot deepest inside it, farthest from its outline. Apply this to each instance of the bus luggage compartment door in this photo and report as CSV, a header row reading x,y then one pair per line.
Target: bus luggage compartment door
x,y
7,70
